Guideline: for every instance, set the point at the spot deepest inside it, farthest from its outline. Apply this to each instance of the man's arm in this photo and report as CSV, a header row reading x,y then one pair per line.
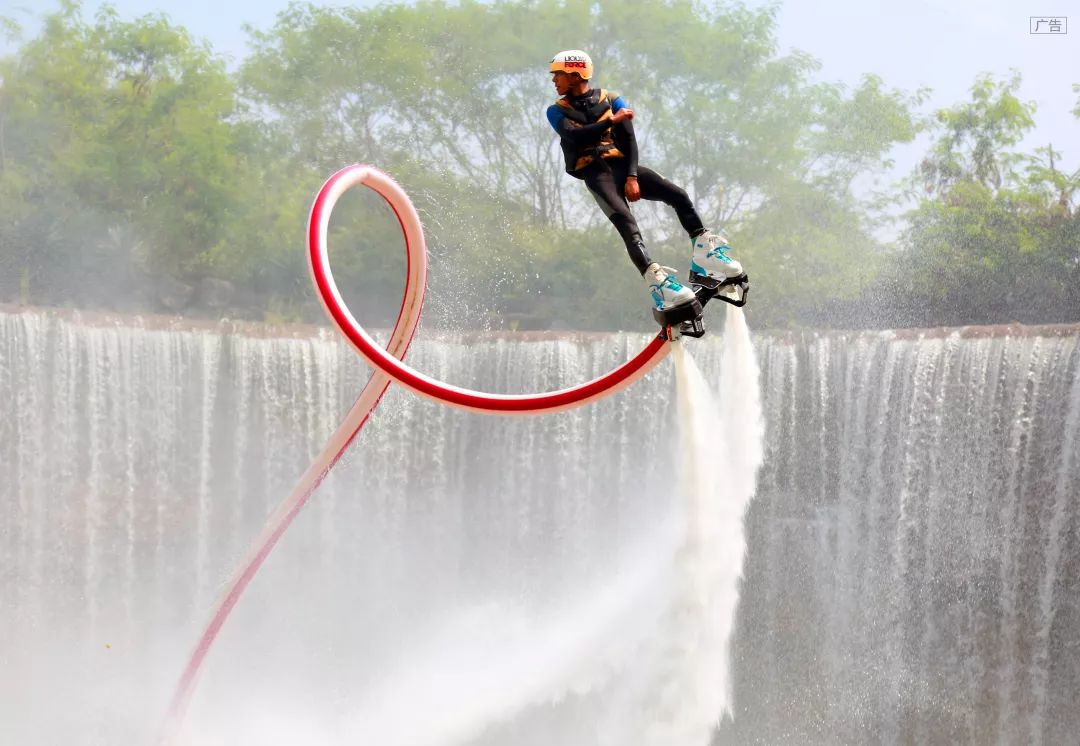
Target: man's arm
x,y
625,138
586,134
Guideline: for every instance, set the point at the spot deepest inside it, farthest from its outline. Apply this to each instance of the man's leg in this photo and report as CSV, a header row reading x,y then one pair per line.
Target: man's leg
x,y
607,189
710,250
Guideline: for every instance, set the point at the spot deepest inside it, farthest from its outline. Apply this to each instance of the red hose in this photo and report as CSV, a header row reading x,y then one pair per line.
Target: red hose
x,y
388,366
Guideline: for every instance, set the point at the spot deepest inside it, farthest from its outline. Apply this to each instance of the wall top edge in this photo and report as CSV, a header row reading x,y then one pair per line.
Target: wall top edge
x,y
225,326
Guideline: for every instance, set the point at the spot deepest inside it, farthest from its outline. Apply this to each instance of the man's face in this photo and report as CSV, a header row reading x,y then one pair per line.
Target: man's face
x,y
564,81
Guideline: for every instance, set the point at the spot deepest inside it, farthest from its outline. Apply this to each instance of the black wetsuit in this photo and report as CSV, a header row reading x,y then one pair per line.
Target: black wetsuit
x,y
606,176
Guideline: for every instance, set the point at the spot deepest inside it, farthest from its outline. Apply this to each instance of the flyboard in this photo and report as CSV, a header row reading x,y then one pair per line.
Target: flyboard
x,y
389,368
687,320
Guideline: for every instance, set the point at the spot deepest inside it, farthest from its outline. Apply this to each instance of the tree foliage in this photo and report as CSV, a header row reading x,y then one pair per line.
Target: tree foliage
x,y
458,92
117,143
995,237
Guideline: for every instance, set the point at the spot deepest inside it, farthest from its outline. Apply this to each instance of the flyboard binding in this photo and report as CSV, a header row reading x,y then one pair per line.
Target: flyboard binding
x,y
686,320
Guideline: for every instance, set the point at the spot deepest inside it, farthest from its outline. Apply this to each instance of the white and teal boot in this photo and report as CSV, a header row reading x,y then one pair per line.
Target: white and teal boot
x,y
667,292
710,257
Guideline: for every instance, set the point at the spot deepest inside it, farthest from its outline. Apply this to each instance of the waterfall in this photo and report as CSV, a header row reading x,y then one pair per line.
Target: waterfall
x,y
914,544
911,554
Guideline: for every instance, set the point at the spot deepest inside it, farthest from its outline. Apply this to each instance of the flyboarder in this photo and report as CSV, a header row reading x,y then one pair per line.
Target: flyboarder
x,y
597,137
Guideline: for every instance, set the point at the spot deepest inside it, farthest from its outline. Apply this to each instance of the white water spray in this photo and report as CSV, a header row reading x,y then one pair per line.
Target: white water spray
x,y
688,690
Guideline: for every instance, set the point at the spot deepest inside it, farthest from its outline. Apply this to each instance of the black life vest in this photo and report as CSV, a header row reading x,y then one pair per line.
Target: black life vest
x,y
598,107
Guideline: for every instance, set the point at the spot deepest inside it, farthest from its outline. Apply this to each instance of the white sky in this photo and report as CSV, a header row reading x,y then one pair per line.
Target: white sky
x,y
909,43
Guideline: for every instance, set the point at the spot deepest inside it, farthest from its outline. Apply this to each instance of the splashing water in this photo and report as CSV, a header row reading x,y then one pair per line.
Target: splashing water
x,y
654,646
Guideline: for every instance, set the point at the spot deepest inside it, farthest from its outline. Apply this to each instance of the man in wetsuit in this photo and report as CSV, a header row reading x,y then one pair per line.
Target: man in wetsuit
x,y
597,138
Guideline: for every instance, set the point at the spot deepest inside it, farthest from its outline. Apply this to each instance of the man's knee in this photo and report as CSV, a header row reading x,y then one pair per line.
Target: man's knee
x,y
626,226
677,197
671,194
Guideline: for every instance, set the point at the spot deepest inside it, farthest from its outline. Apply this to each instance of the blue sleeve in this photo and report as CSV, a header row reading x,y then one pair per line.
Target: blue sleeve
x,y
555,117
617,104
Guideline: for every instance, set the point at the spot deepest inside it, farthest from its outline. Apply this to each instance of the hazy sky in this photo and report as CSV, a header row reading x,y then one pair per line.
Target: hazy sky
x,y
909,43
944,45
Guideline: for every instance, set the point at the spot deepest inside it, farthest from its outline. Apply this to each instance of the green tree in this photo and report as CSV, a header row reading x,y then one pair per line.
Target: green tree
x,y
117,150
976,136
994,238
811,240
